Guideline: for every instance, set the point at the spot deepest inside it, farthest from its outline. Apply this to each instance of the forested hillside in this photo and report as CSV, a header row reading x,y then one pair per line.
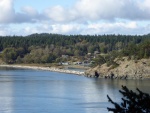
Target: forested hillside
x,y
49,48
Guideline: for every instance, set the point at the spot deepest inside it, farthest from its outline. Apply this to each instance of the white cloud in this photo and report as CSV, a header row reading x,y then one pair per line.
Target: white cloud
x,y
81,11
113,9
91,28
2,33
6,11
60,14
8,15
30,11
98,9
110,28
84,17
5,30
144,5
27,15
66,28
56,13
129,27
45,28
95,10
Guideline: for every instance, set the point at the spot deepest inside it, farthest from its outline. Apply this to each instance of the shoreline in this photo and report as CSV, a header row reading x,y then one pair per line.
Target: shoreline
x,y
126,69
52,69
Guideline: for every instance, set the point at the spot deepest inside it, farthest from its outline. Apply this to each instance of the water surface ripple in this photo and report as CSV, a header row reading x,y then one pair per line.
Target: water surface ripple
x,y
31,91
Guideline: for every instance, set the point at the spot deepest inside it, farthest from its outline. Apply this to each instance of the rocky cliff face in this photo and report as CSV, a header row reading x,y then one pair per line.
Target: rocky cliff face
x,y
127,69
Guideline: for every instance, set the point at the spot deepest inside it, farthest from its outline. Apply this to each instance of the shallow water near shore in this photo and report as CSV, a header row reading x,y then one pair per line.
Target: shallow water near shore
x,y
32,91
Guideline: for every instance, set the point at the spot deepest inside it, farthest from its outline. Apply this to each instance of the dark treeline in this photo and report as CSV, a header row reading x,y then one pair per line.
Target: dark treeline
x,y
64,40
50,47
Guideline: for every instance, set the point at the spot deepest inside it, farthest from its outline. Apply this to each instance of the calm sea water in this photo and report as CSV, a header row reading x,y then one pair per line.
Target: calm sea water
x,y
30,91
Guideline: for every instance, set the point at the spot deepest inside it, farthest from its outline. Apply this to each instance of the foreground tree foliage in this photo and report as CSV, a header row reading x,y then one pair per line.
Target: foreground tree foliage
x,y
132,102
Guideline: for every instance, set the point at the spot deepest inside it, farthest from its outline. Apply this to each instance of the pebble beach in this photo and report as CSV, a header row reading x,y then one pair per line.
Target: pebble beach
x,y
53,69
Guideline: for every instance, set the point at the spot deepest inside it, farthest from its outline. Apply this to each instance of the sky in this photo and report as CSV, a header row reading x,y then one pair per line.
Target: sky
x,y
71,17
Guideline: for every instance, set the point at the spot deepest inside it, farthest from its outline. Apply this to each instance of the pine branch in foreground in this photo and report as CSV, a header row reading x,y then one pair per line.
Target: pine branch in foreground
x,y
131,102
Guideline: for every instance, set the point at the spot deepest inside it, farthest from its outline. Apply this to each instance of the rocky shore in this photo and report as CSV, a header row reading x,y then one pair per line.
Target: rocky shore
x,y
127,69
53,69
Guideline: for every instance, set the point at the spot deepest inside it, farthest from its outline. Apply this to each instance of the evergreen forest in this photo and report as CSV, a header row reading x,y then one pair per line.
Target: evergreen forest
x,y
55,48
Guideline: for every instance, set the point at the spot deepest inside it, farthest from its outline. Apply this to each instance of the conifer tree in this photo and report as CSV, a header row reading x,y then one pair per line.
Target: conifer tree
x,y
132,102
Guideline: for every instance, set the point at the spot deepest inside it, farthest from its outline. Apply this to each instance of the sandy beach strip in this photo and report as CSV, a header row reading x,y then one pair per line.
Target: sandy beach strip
x,y
53,69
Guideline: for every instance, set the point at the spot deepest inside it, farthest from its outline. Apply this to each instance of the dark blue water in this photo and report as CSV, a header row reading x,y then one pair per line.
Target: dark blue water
x,y
30,91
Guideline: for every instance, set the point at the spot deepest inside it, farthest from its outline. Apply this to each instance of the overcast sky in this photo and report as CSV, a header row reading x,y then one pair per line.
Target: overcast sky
x,y
24,17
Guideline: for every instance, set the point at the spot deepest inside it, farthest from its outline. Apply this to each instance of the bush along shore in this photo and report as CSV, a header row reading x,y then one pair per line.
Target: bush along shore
x,y
126,69
53,69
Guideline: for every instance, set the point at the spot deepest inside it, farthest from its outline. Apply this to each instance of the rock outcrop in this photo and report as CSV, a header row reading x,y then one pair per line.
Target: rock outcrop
x,y
127,69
